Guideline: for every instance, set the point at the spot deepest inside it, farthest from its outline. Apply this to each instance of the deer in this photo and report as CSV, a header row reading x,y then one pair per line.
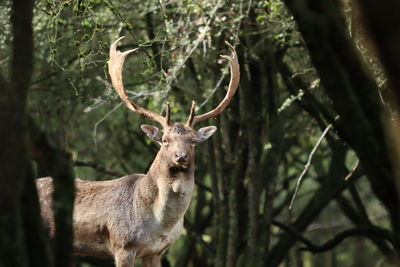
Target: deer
x,y
139,216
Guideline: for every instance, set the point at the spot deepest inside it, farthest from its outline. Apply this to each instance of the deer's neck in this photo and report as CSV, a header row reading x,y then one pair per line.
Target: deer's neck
x,y
171,191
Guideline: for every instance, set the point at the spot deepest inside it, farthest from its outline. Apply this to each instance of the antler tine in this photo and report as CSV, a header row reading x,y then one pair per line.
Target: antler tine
x,y
233,85
168,114
115,66
191,115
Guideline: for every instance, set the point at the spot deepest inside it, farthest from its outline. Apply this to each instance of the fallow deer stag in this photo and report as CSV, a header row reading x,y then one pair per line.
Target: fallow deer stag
x,y
140,215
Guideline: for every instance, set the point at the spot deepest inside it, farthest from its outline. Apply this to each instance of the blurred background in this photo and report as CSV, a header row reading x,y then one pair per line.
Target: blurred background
x,y
315,114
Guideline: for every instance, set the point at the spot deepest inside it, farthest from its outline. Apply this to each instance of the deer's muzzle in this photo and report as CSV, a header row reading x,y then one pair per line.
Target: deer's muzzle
x,y
181,160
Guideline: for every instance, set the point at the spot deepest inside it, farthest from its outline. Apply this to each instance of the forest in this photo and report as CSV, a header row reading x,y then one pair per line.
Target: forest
x,y
302,171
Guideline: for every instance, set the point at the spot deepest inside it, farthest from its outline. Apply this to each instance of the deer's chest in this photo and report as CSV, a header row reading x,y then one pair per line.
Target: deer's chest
x,y
164,225
172,202
155,241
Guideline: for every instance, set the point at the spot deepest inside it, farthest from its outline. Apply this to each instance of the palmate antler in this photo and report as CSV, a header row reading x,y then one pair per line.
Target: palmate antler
x,y
115,66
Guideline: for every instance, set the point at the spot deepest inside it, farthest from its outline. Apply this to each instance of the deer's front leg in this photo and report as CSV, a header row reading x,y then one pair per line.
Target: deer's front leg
x,y
124,258
151,261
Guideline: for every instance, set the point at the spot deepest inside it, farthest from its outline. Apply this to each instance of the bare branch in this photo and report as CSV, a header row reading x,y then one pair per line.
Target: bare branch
x,y
289,229
366,231
96,125
202,186
308,164
97,167
212,91
352,170
175,70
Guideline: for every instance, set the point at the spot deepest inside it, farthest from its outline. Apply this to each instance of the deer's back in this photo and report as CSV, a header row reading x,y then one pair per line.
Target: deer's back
x,y
99,206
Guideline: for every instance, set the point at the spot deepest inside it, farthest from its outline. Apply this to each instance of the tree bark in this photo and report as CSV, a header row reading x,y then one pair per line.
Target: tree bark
x,y
274,156
15,165
36,239
381,19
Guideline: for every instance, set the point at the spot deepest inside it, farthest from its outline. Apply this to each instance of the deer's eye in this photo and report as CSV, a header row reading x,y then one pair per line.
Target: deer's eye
x,y
165,141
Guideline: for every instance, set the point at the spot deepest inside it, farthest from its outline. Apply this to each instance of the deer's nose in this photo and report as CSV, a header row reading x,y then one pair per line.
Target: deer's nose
x,y
181,157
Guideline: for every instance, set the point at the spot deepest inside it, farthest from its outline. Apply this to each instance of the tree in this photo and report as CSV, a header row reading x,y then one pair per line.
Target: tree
x,y
20,222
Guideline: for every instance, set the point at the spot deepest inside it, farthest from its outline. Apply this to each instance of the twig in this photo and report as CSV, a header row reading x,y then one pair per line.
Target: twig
x,y
202,186
198,236
116,12
352,170
96,125
166,28
213,91
308,164
97,168
174,72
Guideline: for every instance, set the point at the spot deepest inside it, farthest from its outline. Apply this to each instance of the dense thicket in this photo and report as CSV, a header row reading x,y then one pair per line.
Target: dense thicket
x,y
309,117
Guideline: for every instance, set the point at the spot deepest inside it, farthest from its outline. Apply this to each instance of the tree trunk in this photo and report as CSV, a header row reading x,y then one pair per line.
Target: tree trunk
x,y
381,20
354,95
20,242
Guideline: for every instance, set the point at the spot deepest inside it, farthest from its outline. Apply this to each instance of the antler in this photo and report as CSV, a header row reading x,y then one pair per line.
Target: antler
x,y
115,66
233,85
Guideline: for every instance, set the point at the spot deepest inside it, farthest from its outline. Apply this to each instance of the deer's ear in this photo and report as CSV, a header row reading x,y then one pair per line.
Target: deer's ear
x,y
204,133
153,132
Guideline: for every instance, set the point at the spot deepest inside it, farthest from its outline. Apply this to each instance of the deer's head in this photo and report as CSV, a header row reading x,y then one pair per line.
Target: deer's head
x,y
177,143
177,140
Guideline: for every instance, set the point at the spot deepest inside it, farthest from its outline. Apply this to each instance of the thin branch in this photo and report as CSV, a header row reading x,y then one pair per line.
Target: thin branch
x,y
116,12
174,71
165,22
308,164
198,236
289,229
366,231
203,186
96,125
308,102
352,170
212,92
55,73
97,168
